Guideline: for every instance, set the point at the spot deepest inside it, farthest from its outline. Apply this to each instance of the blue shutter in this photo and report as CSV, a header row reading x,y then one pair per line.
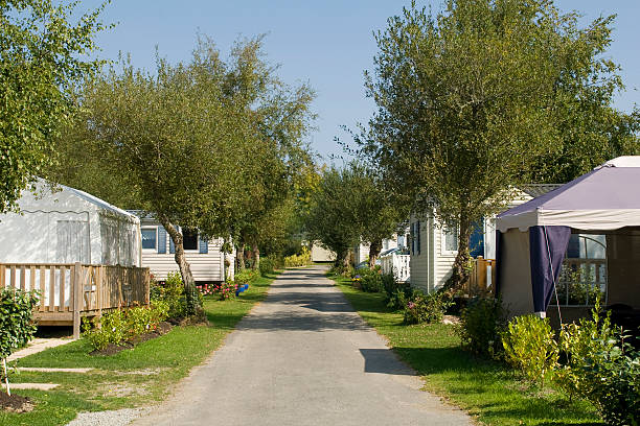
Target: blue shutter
x,y
172,247
162,240
203,246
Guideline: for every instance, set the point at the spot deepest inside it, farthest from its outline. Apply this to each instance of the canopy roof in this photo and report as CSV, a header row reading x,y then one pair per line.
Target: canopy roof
x,y
604,199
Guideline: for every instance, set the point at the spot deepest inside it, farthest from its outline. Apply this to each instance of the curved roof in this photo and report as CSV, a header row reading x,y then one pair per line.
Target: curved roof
x,y
606,198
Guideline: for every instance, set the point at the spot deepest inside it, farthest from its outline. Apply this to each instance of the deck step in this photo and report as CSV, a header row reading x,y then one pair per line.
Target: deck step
x,y
55,370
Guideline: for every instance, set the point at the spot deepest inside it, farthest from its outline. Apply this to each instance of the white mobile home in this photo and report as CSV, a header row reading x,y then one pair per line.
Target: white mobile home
x,y
204,256
433,245
64,225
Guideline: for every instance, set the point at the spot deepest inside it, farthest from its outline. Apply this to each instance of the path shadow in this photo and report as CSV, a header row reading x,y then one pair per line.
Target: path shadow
x,y
383,361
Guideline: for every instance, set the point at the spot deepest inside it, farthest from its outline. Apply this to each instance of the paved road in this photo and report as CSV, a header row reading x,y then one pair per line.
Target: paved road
x,y
303,357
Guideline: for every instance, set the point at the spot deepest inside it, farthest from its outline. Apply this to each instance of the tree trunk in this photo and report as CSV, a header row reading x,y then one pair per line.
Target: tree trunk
x,y
240,257
374,251
255,253
461,271
190,291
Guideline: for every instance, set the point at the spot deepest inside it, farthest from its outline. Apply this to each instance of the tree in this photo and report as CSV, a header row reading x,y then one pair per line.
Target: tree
x,y
40,51
332,217
472,99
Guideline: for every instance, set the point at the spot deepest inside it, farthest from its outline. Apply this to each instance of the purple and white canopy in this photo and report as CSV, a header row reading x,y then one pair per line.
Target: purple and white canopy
x,y
604,199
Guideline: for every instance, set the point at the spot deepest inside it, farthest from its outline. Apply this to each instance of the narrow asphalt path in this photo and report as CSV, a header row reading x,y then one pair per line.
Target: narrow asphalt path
x,y
303,357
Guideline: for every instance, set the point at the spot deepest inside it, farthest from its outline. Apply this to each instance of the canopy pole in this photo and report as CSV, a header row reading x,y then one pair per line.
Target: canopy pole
x,y
553,277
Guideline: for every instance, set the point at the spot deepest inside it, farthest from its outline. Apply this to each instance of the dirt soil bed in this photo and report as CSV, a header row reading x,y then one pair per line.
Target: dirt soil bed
x,y
163,328
15,403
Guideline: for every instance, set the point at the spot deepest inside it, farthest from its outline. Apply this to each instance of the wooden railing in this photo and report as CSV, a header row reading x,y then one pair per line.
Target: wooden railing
x,y
482,278
398,264
69,291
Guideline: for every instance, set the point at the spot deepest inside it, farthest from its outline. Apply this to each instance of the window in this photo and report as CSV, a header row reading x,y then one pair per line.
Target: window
x,y
450,238
149,238
584,271
190,239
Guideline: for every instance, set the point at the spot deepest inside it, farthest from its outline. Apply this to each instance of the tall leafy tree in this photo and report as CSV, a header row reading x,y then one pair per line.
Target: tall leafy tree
x,y
470,100
41,51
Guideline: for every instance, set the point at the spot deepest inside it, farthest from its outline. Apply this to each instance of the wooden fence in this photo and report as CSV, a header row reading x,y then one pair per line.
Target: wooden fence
x,y
69,291
482,278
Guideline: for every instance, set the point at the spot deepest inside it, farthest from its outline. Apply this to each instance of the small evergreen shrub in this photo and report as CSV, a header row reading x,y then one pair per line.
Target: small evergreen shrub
x,y
429,308
529,346
247,276
268,265
397,293
482,323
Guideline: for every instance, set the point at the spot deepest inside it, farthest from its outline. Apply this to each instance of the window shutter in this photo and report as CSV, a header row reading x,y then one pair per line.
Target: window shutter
x,y
172,247
203,245
162,240
418,236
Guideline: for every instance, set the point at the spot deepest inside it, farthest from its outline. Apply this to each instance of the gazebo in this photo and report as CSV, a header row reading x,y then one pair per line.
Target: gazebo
x,y
533,239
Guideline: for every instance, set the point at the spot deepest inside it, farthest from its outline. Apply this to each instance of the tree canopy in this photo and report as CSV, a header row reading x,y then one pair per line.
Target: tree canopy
x,y
472,101
40,58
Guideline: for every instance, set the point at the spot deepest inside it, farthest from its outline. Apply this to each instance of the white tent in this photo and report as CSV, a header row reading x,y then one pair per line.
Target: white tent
x,y
65,225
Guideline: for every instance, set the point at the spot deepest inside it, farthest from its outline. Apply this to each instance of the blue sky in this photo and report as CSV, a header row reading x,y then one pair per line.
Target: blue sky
x,y
327,43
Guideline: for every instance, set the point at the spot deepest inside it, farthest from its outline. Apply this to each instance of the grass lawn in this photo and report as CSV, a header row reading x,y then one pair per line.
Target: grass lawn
x,y
489,391
138,377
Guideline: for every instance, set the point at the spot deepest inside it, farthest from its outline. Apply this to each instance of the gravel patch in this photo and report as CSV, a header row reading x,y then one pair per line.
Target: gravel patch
x,y
108,418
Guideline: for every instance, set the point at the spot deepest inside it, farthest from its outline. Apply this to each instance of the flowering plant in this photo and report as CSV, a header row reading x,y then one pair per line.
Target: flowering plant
x,y
227,290
207,289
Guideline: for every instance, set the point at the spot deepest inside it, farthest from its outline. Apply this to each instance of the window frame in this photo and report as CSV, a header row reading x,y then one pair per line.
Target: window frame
x,y
444,231
149,228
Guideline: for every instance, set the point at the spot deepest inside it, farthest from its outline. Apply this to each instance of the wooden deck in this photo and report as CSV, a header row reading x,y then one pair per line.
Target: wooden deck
x,y
71,291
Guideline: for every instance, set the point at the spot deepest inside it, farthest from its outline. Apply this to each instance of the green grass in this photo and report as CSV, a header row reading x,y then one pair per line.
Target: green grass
x,y
117,381
490,391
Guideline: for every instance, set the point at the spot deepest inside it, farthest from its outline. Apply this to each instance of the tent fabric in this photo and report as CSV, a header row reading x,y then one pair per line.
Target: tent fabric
x,y
604,199
547,246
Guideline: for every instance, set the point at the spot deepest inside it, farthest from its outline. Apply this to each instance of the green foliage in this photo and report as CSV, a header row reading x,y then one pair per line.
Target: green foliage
x,y
601,367
120,325
397,293
268,265
368,280
246,277
530,346
298,259
473,99
41,58
481,326
429,308
171,292
16,329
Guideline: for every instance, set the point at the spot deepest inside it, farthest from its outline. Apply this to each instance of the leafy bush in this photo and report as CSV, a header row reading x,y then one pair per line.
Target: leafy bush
x,y
298,259
109,329
482,323
227,290
245,277
16,329
207,289
429,308
368,280
397,293
268,265
530,346
600,366
120,325
345,271
172,293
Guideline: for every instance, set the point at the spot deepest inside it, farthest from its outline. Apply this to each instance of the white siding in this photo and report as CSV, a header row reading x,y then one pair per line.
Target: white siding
x,y
421,264
204,266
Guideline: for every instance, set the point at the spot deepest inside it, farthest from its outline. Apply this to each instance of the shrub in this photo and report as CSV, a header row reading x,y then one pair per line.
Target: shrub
x,y
171,292
268,265
429,308
108,329
227,290
347,271
298,259
482,323
530,346
397,293
16,329
601,367
245,277
207,289
369,280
